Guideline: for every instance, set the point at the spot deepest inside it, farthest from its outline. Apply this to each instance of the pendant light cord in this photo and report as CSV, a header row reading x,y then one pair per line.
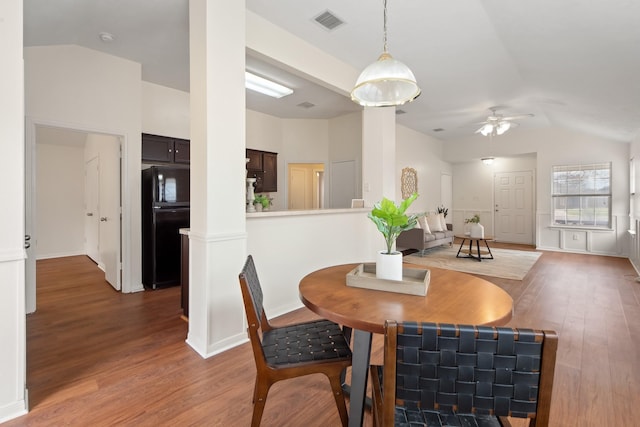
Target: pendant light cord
x,y
384,2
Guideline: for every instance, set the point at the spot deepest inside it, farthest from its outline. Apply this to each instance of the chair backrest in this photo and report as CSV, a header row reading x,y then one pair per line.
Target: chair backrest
x,y
251,292
256,317
470,369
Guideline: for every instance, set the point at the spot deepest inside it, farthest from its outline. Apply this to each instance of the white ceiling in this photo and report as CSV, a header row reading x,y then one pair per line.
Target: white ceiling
x,y
574,64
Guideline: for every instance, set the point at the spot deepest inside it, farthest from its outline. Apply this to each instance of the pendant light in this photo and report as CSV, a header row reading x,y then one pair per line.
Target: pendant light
x,y
386,82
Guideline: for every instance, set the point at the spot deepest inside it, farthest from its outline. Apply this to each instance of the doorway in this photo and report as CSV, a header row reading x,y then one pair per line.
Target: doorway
x,y
306,186
74,199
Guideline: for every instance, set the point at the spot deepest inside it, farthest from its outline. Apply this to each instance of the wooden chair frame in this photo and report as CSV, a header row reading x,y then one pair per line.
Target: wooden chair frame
x,y
269,373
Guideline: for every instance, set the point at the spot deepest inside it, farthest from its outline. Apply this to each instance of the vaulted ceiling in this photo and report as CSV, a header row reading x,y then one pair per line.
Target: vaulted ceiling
x,y
573,64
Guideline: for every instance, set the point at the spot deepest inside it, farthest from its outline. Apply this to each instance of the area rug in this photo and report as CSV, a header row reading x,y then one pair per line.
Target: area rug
x,y
507,263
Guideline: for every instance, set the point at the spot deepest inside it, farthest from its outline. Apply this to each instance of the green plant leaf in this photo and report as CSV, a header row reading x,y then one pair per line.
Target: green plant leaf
x,y
391,219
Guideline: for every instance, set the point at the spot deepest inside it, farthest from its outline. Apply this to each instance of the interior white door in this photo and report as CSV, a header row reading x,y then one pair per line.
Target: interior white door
x,y
109,201
91,209
513,193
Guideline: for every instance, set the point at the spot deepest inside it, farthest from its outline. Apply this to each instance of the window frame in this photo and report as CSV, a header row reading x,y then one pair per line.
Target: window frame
x,y
581,188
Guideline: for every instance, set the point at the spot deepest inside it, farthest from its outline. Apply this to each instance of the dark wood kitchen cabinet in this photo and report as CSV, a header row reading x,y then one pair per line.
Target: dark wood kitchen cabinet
x,y
263,166
163,149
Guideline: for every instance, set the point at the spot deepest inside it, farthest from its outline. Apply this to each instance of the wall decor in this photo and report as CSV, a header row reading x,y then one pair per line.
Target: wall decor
x,y
409,182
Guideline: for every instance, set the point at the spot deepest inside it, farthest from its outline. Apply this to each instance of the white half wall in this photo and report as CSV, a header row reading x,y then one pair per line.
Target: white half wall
x,y
288,246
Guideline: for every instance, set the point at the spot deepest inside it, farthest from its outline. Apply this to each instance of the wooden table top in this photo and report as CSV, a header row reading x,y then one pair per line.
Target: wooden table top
x,y
452,297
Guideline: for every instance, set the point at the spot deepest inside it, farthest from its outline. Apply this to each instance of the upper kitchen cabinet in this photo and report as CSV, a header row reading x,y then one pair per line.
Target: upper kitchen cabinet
x,y
163,149
263,166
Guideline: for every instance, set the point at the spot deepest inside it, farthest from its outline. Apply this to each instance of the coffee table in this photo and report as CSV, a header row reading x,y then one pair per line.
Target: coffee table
x,y
475,253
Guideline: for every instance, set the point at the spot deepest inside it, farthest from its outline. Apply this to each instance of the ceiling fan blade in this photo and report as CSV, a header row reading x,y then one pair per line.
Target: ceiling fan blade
x,y
517,117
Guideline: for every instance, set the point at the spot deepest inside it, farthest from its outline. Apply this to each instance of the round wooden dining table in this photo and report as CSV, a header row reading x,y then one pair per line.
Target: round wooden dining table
x,y
452,297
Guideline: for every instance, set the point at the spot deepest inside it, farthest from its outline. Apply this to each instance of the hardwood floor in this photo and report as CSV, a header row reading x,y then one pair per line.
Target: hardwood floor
x,y
98,357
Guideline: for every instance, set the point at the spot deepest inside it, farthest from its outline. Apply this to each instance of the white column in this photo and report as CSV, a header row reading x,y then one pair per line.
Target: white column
x,y
12,290
378,154
218,230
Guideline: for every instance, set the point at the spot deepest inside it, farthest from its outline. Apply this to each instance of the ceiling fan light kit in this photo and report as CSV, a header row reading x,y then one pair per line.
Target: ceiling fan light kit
x,y
387,82
494,129
497,124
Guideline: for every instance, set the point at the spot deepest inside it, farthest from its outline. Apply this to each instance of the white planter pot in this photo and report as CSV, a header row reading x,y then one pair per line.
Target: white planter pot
x,y
389,266
477,231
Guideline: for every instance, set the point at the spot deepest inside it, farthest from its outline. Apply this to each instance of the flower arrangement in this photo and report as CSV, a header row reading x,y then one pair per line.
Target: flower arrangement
x,y
473,220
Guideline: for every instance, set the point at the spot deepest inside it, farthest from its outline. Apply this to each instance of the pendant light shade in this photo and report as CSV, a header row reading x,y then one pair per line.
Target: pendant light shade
x,y
386,82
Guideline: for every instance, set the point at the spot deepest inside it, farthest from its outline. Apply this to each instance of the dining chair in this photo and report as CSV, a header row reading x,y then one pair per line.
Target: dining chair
x,y
291,351
442,374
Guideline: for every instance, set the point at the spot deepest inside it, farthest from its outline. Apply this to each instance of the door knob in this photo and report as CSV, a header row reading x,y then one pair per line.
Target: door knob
x,y
103,218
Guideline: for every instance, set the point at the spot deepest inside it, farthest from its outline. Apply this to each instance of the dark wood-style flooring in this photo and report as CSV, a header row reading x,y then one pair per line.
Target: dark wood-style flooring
x,y
96,357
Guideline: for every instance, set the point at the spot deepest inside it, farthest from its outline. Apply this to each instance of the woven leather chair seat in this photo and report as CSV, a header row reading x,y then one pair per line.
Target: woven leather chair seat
x,y
317,340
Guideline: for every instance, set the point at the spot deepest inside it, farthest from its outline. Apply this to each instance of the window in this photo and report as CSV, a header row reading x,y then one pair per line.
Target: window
x,y
582,195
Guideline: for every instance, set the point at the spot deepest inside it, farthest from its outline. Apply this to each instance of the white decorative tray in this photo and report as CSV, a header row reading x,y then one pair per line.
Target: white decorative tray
x,y
414,281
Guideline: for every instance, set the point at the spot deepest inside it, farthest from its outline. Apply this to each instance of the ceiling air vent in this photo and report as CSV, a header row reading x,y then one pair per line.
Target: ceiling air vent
x,y
306,104
328,20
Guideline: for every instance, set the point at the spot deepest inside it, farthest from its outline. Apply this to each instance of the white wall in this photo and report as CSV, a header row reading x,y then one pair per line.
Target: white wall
x,y
473,189
424,154
78,88
345,143
59,200
554,147
305,141
13,399
165,111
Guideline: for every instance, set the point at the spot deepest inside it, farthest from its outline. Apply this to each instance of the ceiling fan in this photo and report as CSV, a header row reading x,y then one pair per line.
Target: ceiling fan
x,y
497,124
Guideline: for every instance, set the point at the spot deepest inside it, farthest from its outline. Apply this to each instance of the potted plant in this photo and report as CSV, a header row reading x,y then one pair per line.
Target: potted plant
x,y
261,202
477,229
392,220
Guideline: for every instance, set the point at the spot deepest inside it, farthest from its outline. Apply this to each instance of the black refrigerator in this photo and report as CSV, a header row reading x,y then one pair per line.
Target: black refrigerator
x,y
165,210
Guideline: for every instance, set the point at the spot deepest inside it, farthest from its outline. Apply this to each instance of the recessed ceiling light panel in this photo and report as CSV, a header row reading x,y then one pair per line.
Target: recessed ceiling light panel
x,y
265,87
